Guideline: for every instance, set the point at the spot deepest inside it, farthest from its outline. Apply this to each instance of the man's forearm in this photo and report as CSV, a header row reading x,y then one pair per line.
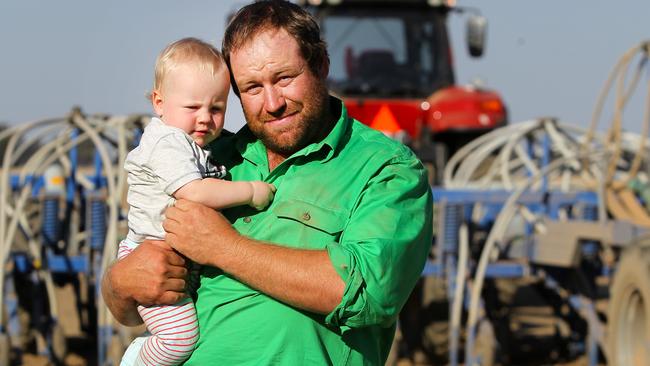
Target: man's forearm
x,y
123,309
302,278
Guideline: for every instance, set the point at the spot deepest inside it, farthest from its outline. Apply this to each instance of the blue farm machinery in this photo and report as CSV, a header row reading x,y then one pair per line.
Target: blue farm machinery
x,y
541,253
61,215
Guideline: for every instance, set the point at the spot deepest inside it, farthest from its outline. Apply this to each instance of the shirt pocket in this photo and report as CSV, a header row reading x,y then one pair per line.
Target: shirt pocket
x,y
310,225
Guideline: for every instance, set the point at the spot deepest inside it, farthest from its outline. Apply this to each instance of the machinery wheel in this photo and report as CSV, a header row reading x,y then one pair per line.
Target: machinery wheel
x,y
628,333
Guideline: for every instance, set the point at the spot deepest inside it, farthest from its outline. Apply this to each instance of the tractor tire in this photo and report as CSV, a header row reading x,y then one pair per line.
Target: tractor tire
x,y
628,325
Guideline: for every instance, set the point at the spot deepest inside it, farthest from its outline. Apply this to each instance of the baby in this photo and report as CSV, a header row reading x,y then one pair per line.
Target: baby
x,y
189,95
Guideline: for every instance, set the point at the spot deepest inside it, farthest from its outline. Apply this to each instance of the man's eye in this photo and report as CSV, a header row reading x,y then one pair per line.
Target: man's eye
x,y
284,80
253,90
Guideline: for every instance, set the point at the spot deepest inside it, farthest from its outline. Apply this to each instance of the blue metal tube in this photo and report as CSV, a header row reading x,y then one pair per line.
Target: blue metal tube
x,y
50,226
590,248
97,221
71,180
452,217
97,179
546,159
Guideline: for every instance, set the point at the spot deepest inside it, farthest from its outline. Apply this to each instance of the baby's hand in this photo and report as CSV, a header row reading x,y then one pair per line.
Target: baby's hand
x,y
262,194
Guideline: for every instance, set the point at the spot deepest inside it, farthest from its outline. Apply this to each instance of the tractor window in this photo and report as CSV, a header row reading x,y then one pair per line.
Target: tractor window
x,y
386,53
349,34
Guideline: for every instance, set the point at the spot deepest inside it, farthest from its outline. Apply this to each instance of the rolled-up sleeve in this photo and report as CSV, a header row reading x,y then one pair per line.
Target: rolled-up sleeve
x,y
383,248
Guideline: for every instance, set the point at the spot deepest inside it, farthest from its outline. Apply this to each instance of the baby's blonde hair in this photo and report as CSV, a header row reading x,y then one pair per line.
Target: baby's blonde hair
x,y
186,50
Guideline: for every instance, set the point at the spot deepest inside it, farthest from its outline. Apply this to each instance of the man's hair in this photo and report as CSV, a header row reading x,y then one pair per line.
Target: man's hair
x,y
187,50
276,14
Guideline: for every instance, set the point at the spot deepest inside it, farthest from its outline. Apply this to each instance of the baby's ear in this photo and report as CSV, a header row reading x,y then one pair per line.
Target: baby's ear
x,y
157,102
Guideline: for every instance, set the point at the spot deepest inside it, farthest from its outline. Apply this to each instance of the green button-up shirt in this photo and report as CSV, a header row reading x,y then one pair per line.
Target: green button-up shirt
x,y
357,194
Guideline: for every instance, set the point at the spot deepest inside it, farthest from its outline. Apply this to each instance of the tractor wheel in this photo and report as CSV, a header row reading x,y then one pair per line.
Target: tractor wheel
x,y
628,333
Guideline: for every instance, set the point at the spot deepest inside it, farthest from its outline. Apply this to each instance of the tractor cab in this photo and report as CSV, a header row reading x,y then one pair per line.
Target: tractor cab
x,y
387,52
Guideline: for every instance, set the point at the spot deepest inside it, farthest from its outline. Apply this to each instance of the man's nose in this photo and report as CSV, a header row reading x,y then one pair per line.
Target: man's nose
x,y
273,99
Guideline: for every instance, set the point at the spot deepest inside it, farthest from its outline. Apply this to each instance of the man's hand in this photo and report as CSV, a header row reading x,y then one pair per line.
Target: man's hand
x,y
153,274
197,231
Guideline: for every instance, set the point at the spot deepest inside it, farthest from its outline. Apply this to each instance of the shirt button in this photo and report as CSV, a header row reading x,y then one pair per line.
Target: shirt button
x,y
306,216
247,219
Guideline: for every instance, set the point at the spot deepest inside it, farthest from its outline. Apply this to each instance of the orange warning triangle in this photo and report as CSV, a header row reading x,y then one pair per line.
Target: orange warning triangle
x,y
384,121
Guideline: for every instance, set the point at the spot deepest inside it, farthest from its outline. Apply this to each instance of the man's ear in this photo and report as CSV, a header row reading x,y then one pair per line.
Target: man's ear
x,y
157,102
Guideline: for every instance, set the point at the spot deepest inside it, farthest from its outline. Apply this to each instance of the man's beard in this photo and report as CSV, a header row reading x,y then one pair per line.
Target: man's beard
x,y
311,121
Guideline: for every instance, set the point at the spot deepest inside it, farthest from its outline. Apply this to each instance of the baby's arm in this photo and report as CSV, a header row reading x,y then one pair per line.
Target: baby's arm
x,y
220,194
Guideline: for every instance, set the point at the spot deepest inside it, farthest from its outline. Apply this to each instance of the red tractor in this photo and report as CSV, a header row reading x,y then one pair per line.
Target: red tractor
x,y
391,62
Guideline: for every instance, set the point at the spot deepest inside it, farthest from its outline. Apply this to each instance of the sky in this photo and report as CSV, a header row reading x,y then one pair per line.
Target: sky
x,y
545,58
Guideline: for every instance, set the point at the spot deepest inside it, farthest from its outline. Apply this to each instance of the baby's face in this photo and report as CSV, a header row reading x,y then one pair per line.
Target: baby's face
x,y
194,100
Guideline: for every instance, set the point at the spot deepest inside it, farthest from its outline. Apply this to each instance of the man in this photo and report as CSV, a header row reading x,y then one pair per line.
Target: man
x,y
320,276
